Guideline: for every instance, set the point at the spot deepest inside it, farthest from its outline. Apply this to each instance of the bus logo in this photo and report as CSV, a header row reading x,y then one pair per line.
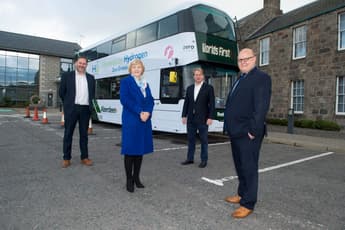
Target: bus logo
x,y
169,52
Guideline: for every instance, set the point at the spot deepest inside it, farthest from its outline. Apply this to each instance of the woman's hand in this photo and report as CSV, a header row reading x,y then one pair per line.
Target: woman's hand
x,y
144,116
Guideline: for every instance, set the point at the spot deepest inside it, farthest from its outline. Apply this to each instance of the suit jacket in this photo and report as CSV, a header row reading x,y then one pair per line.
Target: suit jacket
x,y
136,134
67,91
247,106
202,108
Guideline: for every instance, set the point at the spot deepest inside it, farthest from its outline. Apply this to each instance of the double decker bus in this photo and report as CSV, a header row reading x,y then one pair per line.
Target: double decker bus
x,y
195,35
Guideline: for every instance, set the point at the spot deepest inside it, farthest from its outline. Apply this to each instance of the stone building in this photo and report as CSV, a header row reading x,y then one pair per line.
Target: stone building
x,y
32,65
304,52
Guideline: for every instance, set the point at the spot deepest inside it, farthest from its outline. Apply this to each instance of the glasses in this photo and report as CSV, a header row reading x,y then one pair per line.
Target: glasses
x,y
240,60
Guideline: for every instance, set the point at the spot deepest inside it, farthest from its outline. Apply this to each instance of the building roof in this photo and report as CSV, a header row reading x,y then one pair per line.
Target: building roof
x,y
37,45
299,15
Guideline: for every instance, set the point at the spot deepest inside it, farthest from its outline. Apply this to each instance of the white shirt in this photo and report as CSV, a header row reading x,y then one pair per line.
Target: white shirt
x,y
197,88
81,89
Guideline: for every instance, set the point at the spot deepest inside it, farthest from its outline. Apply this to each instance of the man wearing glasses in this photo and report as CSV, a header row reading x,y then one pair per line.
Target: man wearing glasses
x,y
245,113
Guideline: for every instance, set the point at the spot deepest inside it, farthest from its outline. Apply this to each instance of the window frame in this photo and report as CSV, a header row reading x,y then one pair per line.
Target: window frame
x,y
266,51
337,97
294,43
292,97
340,32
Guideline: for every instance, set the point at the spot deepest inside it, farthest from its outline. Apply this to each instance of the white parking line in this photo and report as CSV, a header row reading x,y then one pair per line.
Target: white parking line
x,y
219,182
185,147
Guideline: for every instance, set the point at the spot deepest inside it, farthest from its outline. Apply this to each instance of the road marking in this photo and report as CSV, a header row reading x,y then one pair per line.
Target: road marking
x,y
219,182
185,147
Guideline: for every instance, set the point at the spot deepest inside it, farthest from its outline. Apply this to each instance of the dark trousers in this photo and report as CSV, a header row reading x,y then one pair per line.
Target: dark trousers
x,y
80,114
192,129
245,153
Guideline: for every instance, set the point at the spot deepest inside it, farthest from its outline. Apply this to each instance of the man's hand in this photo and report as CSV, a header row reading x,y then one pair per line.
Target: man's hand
x,y
251,137
184,120
209,122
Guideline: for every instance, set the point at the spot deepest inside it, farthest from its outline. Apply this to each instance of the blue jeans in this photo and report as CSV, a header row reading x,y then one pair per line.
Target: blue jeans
x,y
192,129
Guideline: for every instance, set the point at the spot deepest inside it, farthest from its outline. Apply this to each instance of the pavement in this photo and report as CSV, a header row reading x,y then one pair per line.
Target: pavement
x,y
302,137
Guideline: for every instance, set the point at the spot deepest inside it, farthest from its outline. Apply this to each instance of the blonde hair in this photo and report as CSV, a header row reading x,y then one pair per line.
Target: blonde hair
x,y
136,62
199,69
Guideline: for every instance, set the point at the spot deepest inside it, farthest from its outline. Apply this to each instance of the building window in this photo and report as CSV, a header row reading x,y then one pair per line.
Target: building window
x,y
340,98
299,42
264,51
18,75
66,65
341,33
297,96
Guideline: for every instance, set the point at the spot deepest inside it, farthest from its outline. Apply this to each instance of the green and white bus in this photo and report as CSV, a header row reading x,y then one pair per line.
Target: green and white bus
x,y
195,35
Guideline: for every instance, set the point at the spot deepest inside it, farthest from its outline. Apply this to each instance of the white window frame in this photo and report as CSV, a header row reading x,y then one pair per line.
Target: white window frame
x,y
340,31
300,38
337,96
293,96
265,51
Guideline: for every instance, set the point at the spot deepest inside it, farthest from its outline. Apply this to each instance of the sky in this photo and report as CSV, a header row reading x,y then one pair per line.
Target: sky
x,y
88,22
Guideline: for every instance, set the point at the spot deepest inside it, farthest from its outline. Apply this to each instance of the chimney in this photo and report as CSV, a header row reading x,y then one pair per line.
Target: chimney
x,y
272,4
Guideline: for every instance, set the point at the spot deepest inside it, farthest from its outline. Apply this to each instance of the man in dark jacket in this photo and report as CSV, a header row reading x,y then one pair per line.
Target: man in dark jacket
x,y
77,90
245,113
198,112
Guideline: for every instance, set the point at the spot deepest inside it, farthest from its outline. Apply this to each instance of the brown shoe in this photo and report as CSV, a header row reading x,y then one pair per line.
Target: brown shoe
x,y
66,163
86,162
233,199
241,212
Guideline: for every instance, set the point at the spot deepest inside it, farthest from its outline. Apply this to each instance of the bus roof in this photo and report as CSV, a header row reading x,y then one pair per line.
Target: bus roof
x,y
178,8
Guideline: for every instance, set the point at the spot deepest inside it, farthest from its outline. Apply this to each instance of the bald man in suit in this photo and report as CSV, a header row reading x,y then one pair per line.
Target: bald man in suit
x,y
245,113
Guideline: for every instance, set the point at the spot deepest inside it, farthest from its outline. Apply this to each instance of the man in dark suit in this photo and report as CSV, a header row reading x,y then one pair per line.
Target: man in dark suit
x,y
198,112
245,113
77,90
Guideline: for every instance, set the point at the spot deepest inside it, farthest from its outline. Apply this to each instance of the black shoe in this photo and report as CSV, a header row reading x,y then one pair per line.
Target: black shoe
x,y
138,184
130,185
187,162
202,164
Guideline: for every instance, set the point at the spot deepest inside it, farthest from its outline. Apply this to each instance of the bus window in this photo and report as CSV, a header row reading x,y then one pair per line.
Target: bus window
x,y
222,81
170,87
130,40
118,44
214,22
108,88
103,50
147,34
167,26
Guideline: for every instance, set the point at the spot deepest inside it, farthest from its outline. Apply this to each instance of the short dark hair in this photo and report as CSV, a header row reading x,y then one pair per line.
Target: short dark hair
x,y
78,56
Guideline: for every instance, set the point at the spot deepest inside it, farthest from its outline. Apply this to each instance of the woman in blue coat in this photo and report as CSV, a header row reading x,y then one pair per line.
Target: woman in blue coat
x,y
137,102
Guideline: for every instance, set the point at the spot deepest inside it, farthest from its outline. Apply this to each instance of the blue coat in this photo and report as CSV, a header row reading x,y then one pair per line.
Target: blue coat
x,y
136,135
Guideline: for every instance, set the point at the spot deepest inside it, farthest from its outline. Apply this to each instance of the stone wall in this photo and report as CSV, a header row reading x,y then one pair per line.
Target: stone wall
x,y
49,71
319,69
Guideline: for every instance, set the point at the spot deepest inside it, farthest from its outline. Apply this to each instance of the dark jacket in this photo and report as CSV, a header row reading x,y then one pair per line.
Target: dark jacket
x,y
67,91
203,108
247,106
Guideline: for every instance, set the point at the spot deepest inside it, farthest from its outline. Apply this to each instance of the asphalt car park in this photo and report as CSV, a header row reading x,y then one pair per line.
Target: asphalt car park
x,y
299,188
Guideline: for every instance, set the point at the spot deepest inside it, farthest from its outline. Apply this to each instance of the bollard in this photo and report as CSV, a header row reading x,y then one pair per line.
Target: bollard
x,y
89,131
290,121
62,121
35,117
27,112
45,119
